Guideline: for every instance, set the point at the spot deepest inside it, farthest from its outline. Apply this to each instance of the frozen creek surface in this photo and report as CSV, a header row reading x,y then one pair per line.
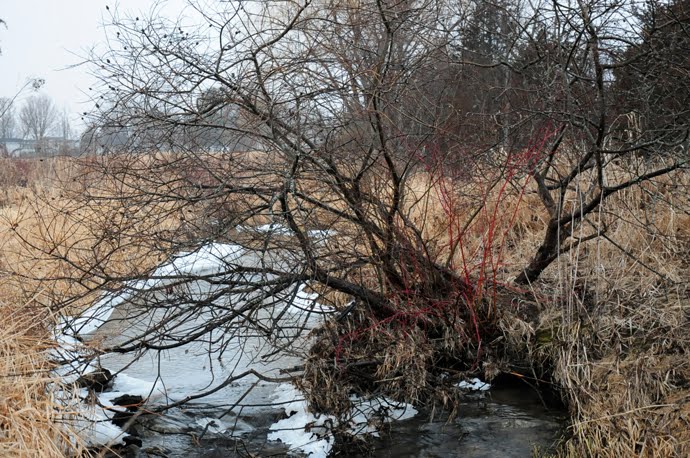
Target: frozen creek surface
x,y
507,422
237,418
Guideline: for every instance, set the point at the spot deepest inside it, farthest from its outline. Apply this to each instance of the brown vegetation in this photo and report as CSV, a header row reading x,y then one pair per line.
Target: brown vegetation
x,y
31,421
605,323
515,216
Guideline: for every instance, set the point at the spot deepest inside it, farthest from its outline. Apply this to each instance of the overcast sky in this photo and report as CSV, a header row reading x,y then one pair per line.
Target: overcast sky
x,y
43,38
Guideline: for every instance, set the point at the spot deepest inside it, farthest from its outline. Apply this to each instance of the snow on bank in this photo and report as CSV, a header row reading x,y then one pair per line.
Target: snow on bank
x,y
274,228
207,260
91,413
308,302
93,317
473,385
313,433
292,431
92,423
95,428
123,384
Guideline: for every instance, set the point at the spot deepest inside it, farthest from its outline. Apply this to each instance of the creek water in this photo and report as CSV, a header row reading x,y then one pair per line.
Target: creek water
x,y
509,421
506,422
235,420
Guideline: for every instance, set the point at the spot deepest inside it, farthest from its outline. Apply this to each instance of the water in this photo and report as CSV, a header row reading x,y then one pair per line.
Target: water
x,y
506,422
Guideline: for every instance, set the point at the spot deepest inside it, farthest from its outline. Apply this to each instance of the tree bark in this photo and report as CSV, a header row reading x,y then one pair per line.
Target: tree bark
x,y
548,251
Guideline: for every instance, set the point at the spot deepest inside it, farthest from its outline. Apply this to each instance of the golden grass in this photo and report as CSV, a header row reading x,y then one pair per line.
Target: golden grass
x,y
53,253
614,320
613,313
30,420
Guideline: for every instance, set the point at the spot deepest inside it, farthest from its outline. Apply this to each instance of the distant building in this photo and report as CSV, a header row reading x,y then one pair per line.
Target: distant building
x,y
10,146
49,146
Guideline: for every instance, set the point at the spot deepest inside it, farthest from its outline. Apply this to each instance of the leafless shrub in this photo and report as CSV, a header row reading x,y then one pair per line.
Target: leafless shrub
x,y
317,144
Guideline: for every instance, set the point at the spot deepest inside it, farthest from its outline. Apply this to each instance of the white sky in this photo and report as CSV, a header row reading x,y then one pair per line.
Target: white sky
x,y
45,37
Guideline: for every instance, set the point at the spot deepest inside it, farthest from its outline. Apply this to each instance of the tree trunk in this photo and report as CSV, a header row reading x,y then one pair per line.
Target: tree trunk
x,y
546,254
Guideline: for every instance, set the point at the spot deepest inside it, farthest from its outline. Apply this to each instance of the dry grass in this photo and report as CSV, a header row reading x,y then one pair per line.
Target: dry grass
x,y
610,321
613,326
30,419
51,243
59,242
30,423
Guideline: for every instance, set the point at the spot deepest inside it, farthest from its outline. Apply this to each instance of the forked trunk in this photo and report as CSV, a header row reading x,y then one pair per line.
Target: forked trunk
x,y
548,251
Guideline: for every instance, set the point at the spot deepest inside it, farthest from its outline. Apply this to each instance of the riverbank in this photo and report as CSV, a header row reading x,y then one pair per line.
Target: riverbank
x,y
604,328
30,419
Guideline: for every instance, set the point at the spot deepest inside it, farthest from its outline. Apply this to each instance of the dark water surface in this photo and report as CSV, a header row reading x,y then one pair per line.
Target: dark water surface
x,y
506,422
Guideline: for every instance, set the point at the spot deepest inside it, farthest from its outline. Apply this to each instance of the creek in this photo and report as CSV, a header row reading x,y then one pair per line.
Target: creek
x,y
505,421
235,419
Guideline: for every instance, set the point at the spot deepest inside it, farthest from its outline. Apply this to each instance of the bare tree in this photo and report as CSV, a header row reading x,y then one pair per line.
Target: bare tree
x,y
331,97
64,127
7,119
563,69
38,117
342,104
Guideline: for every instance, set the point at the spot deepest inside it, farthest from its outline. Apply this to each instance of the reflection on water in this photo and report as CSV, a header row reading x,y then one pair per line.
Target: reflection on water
x,y
504,423
513,427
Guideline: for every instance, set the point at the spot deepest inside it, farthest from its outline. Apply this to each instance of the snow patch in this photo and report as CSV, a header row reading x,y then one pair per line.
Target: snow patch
x,y
274,228
316,235
93,317
313,434
473,385
304,301
209,259
321,235
302,429
94,427
124,384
